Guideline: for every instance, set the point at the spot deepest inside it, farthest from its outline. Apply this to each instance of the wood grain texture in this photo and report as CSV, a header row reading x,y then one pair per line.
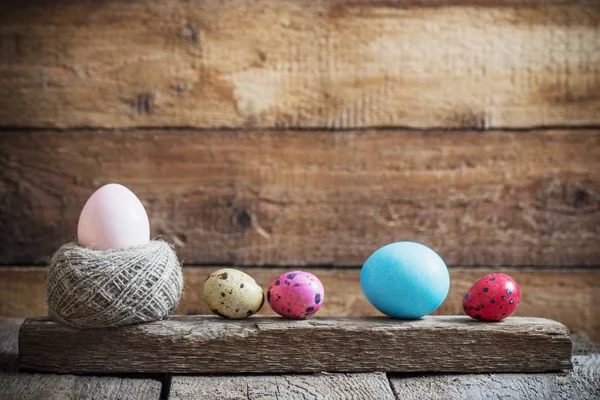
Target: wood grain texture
x,y
301,63
203,344
23,291
315,198
70,387
282,387
9,343
568,296
583,383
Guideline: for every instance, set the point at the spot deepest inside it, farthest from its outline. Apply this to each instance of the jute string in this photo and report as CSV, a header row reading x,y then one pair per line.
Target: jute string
x,y
94,288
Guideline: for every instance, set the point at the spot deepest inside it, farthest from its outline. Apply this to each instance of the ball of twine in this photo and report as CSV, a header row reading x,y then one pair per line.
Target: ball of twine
x,y
95,288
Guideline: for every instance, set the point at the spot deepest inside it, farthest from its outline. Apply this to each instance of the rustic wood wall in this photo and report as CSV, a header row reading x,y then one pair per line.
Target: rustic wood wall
x,y
273,135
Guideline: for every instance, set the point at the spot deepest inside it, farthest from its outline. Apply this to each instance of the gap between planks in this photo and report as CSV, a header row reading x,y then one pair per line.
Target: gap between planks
x,y
152,130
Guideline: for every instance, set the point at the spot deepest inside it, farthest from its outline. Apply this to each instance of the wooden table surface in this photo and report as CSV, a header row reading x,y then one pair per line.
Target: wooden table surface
x,y
581,383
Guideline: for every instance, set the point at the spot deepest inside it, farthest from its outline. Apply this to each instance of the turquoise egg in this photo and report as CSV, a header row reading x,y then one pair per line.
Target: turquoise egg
x,y
405,280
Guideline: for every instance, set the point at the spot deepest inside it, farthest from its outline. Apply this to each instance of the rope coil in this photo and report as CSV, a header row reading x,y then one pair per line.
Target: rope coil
x,y
95,288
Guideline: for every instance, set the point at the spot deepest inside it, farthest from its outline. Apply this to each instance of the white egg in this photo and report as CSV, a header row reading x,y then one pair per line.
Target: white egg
x,y
113,218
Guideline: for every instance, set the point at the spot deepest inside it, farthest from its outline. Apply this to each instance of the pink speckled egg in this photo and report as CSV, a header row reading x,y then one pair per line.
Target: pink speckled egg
x,y
113,218
296,295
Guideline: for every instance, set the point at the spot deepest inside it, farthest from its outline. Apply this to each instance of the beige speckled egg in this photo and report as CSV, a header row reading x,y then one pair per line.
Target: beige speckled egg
x,y
231,293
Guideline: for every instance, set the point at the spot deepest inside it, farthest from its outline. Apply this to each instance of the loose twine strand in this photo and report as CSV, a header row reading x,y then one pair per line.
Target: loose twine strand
x,y
94,288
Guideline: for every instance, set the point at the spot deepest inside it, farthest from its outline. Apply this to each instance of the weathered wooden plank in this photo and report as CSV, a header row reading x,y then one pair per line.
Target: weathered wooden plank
x,y
583,383
70,387
324,198
9,343
569,296
301,63
282,387
203,344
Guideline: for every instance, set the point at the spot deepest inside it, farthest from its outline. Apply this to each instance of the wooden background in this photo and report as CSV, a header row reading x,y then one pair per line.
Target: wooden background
x,y
276,135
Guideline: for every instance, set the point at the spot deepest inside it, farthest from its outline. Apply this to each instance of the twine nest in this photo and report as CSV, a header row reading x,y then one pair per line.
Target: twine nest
x,y
94,288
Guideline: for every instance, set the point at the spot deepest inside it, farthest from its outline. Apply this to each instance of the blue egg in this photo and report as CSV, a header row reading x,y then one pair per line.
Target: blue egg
x,y
405,280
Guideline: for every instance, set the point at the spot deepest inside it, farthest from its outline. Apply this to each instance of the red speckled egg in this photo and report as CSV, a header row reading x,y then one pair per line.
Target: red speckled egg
x,y
492,298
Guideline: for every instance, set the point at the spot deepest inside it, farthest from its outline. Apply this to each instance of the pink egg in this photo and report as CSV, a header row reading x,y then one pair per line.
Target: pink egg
x,y
113,218
296,294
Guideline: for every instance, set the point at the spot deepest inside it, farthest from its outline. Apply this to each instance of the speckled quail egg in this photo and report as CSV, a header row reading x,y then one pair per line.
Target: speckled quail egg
x,y
231,293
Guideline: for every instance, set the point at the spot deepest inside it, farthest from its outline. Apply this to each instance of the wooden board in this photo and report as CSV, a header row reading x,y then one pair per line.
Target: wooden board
x,y
568,296
583,383
9,343
201,344
315,198
70,387
282,387
301,63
